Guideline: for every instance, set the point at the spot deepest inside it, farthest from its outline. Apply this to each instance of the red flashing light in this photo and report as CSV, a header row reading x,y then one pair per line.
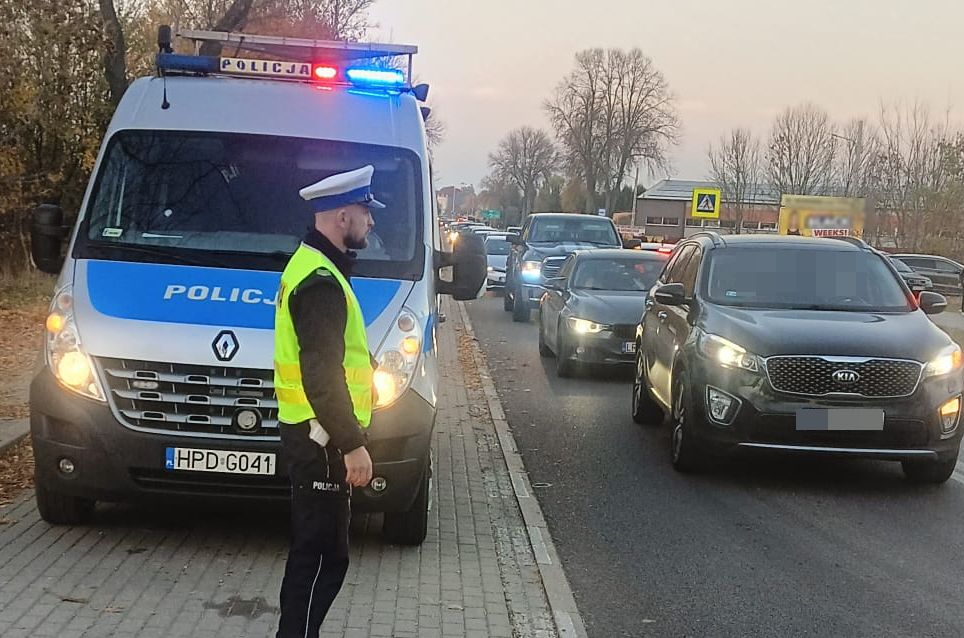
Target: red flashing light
x,y
325,72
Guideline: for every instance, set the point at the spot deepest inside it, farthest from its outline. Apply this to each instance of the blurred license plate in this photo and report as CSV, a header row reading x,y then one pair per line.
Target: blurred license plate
x,y
228,462
840,420
629,347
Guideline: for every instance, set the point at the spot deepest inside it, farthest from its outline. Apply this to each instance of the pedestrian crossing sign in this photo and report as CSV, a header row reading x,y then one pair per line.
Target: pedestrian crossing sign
x,y
706,203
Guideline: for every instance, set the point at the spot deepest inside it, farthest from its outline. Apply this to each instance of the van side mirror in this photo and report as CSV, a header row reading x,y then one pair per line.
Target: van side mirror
x,y
932,303
670,294
47,234
469,268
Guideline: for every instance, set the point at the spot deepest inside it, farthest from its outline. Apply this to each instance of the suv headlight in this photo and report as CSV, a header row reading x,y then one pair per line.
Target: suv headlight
x,y
584,326
397,359
947,361
728,354
65,357
531,269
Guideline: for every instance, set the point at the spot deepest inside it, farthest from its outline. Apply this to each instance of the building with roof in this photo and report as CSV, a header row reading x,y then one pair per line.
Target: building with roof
x,y
664,210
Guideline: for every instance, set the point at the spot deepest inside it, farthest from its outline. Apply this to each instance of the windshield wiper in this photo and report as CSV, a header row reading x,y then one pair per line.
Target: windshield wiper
x,y
155,251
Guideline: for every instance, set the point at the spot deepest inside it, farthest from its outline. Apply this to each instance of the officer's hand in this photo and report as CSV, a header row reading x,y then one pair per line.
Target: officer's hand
x,y
359,467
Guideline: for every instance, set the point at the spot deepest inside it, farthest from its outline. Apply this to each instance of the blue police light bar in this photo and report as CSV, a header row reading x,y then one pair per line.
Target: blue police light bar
x,y
376,78
193,63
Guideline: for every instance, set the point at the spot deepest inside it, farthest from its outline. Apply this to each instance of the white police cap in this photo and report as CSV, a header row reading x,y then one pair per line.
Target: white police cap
x,y
342,189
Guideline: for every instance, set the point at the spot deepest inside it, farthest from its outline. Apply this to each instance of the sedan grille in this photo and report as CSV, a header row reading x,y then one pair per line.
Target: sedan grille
x,y
551,266
192,399
819,376
626,332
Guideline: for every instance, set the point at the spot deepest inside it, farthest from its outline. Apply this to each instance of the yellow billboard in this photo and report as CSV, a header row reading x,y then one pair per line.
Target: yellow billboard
x,y
812,216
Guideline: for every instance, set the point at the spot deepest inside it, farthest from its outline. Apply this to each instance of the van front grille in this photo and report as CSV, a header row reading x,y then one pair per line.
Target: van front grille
x,y
192,399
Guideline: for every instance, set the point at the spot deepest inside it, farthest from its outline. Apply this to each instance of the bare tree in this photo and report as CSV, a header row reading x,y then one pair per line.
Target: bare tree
x,y
801,150
526,157
736,167
613,109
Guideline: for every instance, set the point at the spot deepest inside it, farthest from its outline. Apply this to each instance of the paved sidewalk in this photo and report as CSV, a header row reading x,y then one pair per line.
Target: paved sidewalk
x,y
180,572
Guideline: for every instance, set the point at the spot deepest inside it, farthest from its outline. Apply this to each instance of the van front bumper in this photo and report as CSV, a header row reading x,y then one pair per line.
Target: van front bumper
x,y
116,463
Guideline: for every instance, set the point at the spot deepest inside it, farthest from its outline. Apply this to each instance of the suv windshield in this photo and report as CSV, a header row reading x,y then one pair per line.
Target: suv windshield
x,y
803,279
581,228
617,274
232,200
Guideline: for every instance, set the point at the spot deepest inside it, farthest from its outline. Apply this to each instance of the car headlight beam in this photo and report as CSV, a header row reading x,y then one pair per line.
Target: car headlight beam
x,y
65,357
947,361
728,354
397,359
585,326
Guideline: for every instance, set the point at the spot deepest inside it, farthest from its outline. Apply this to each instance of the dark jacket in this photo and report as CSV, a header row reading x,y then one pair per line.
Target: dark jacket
x,y
319,313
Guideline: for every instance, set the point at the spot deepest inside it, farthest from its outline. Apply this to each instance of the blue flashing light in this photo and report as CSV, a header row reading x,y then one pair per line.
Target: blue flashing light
x,y
384,78
193,63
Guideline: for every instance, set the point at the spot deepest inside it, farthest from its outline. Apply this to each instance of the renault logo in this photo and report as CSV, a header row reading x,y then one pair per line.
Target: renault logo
x,y
225,345
846,377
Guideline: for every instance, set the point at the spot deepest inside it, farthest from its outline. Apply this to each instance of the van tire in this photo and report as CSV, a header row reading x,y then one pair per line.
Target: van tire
x,y
411,527
62,509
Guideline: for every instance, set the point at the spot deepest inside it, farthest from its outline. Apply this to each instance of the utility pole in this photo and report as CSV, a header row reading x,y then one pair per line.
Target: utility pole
x,y
635,189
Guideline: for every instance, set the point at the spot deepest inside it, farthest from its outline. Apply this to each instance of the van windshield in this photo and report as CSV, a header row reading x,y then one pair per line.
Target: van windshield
x,y
231,200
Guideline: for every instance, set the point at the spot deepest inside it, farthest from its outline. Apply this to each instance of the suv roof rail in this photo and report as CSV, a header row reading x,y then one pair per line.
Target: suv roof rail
x,y
856,241
714,236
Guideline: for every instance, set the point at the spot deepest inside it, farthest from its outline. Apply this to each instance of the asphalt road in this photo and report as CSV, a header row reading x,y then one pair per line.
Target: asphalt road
x,y
758,546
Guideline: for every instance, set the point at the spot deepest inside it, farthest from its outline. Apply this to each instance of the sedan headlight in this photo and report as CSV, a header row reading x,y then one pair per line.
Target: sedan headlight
x,y
397,359
728,354
947,361
584,326
65,357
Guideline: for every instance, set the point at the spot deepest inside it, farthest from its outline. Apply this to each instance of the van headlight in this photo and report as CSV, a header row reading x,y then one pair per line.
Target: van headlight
x,y
947,360
397,359
64,355
728,354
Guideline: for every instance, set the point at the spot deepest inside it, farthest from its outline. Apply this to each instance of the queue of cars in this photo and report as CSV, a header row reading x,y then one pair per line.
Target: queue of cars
x,y
795,345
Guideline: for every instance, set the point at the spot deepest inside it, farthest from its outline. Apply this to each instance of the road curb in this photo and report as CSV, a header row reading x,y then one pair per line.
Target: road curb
x,y
562,603
13,433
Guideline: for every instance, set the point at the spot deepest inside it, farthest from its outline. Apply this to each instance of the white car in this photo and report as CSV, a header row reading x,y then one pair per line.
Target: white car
x,y
496,254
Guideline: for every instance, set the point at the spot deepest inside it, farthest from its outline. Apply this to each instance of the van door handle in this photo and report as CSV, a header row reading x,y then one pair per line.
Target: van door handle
x,y
662,316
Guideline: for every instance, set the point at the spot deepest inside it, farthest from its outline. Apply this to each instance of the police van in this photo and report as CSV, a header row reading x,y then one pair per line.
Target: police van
x,y
157,378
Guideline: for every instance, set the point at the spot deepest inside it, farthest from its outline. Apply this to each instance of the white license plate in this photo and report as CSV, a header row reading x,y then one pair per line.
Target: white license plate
x,y
629,347
840,420
224,461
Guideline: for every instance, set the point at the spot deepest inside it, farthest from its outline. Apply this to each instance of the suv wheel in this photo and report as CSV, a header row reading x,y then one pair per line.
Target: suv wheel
x,y
645,410
520,305
62,509
929,471
544,350
688,454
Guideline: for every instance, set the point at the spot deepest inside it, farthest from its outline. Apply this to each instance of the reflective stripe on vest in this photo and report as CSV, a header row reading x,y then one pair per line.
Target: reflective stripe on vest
x,y
293,405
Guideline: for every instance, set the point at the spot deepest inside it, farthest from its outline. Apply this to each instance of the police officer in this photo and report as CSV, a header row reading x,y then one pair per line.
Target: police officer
x,y
323,381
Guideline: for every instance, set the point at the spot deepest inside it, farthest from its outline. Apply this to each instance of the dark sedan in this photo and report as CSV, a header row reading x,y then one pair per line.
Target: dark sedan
x,y
590,311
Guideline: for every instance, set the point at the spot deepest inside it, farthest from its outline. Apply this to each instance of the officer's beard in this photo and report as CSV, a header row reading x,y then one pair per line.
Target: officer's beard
x,y
356,243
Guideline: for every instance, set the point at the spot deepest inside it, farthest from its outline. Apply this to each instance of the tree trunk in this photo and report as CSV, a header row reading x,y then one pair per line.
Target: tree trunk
x,y
233,19
115,56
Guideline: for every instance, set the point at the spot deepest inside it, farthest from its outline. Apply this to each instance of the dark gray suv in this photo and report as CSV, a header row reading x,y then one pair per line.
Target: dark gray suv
x,y
797,345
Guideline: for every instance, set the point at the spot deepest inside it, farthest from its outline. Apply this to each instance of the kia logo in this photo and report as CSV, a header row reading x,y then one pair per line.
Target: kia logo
x,y
846,377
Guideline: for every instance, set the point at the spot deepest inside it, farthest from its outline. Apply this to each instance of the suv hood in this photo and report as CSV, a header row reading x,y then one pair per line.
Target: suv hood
x,y
909,335
541,251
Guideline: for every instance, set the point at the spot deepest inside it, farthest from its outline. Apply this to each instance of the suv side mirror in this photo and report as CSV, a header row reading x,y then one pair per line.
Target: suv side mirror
x,y
556,283
670,294
932,303
47,234
469,268
515,239
632,243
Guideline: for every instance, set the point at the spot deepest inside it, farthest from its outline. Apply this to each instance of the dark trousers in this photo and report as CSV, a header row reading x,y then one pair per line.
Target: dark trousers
x,y
320,514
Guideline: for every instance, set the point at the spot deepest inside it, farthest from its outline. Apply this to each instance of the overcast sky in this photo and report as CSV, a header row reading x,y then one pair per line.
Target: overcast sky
x,y
492,63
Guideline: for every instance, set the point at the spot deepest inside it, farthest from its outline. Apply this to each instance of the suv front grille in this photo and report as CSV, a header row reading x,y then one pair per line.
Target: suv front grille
x,y
174,397
813,376
551,267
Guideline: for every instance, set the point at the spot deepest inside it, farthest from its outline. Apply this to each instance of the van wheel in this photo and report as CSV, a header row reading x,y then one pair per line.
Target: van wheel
x,y
688,454
520,306
929,471
411,527
62,509
645,410
507,298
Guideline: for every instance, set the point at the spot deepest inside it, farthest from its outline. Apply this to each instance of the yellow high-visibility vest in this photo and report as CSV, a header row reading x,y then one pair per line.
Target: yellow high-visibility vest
x,y
293,406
